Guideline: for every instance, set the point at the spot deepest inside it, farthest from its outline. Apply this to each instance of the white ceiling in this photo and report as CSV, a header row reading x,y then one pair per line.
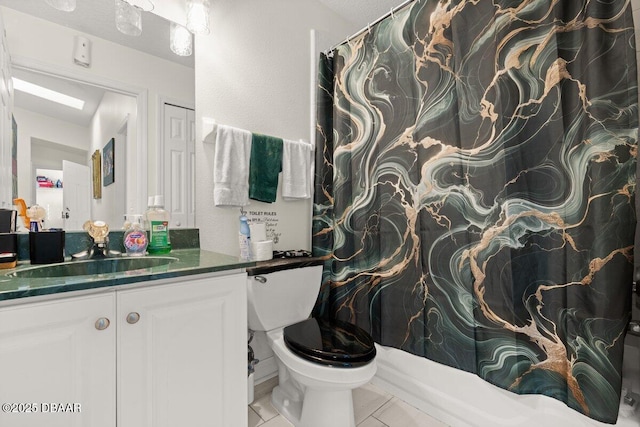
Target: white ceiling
x,y
97,18
91,95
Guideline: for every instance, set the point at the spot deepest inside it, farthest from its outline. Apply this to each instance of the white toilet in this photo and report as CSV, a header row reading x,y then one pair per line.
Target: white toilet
x,y
319,361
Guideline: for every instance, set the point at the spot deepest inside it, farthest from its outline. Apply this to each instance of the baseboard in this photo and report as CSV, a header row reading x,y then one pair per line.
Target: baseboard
x,y
266,369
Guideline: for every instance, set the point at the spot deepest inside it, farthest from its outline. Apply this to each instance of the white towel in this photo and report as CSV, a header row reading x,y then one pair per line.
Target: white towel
x,y
231,166
297,169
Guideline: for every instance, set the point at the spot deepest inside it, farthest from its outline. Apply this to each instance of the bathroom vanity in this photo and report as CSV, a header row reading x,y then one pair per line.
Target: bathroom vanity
x,y
162,346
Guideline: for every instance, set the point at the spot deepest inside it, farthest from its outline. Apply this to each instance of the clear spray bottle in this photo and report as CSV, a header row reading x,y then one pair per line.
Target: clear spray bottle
x,y
245,239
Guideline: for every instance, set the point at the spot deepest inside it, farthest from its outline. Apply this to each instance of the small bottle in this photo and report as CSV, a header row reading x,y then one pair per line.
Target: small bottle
x,y
135,238
158,227
245,239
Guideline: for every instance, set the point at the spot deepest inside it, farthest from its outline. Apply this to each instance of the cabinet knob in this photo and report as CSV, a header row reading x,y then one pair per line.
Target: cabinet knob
x,y
133,317
102,323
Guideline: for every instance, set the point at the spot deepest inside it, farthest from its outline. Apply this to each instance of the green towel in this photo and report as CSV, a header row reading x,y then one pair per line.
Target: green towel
x,y
264,166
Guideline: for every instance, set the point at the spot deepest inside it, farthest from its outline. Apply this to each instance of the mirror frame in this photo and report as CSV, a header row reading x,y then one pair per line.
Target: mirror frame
x,y
139,93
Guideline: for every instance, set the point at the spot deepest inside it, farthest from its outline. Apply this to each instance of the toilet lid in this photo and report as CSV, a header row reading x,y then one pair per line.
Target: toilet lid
x,y
330,342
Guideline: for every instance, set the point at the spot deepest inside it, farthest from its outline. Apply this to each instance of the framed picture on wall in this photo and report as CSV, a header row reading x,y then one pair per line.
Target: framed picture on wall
x,y
107,163
96,174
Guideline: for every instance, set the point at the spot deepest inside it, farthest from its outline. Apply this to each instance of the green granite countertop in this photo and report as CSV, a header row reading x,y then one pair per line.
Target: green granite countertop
x,y
189,262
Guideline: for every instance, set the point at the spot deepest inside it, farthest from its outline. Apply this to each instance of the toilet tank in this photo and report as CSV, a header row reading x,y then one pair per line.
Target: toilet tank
x,y
283,297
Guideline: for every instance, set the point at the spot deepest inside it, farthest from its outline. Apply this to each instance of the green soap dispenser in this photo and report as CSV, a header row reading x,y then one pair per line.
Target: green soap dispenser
x,y
158,226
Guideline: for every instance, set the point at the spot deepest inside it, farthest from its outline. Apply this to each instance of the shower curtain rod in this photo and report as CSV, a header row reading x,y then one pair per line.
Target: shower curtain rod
x,y
368,27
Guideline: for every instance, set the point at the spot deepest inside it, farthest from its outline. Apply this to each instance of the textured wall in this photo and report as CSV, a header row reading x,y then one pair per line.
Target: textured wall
x,y
253,72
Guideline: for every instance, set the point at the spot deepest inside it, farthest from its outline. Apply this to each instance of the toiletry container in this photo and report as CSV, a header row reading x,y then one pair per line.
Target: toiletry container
x,y
158,226
8,220
46,247
244,236
261,250
135,237
8,250
145,217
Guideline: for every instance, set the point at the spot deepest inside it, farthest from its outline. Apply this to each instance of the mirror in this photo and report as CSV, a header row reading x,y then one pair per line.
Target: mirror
x,y
126,85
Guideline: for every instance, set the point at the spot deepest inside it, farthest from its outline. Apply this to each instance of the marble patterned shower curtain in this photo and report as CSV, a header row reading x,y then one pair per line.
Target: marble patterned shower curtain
x,y
475,190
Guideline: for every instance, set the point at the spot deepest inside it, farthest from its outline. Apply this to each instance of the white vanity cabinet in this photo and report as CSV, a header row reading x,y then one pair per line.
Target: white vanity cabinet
x,y
169,354
52,353
182,354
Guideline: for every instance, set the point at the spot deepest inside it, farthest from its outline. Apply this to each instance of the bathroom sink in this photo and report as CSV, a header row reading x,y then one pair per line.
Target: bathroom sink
x,y
91,267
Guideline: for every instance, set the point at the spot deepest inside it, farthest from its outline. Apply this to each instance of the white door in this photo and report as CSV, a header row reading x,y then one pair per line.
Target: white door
x,y
76,195
53,353
179,165
178,362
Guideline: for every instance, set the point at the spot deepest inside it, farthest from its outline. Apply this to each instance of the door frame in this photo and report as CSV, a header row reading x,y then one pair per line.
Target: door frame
x,y
123,139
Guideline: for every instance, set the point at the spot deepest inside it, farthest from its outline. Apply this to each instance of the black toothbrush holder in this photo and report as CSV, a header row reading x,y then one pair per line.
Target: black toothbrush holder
x,y
46,247
8,250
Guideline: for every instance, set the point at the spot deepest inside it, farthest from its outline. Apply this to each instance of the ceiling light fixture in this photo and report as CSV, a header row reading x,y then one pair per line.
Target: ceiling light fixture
x,y
128,18
63,5
198,16
180,40
48,94
144,5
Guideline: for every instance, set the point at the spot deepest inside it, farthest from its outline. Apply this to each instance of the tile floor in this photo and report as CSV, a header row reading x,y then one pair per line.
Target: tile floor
x,y
373,407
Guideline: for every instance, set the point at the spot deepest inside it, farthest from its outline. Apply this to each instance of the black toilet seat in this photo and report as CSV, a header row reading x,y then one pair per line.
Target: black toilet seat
x,y
330,342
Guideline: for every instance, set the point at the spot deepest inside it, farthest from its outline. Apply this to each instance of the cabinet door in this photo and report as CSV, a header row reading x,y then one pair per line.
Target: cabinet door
x,y
182,362
52,353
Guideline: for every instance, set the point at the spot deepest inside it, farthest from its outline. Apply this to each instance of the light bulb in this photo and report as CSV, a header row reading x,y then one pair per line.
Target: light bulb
x,y
128,18
198,16
145,5
63,5
180,40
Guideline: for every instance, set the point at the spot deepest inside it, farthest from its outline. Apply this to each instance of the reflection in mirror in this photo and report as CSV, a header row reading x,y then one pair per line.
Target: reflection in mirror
x,y
58,135
124,89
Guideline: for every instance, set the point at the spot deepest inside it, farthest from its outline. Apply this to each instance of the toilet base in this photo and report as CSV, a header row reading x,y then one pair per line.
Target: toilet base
x,y
311,410
312,395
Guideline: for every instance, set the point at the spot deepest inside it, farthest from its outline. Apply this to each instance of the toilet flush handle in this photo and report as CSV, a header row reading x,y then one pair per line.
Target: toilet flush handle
x,y
260,279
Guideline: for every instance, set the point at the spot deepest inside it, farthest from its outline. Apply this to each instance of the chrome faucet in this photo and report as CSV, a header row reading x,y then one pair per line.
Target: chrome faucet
x,y
99,233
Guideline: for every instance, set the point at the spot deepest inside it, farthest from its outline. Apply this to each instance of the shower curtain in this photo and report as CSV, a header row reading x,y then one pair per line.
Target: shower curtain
x,y
475,179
